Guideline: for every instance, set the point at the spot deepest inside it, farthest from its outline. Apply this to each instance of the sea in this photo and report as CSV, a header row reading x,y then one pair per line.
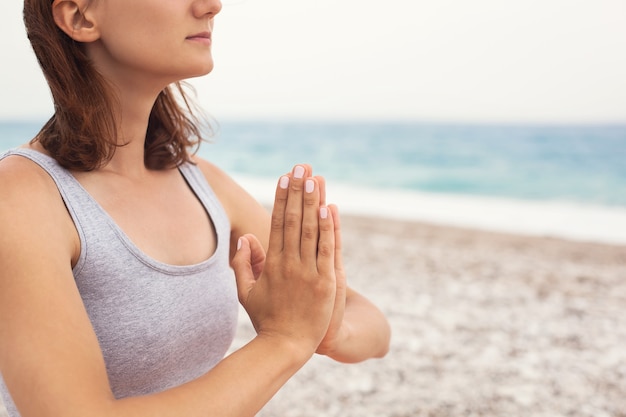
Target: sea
x,y
562,181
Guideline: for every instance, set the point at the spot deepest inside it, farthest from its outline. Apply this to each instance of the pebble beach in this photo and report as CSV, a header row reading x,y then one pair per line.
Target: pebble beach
x,y
484,324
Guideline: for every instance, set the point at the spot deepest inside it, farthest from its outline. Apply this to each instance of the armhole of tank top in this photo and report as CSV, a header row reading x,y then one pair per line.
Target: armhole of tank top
x,y
204,193
202,196
46,164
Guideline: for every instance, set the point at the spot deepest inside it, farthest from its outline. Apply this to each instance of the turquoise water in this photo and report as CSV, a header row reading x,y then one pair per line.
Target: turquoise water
x,y
582,164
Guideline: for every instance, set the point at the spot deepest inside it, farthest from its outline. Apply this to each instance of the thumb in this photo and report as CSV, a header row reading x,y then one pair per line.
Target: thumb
x,y
257,256
243,269
247,263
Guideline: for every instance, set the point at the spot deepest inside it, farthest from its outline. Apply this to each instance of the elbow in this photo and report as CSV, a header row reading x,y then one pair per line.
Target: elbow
x,y
375,346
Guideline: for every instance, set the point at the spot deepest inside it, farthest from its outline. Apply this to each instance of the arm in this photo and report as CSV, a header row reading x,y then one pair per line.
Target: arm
x,y
358,330
49,355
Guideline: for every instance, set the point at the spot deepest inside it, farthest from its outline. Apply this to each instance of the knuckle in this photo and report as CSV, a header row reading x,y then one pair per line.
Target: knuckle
x,y
309,232
277,223
325,249
296,185
291,270
326,227
292,220
281,196
270,263
280,200
310,201
324,287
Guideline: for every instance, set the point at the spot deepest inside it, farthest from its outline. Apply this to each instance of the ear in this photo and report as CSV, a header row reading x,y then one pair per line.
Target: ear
x,y
71,17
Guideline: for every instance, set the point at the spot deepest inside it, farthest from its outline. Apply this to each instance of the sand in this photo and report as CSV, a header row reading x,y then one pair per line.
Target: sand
x,y
484,324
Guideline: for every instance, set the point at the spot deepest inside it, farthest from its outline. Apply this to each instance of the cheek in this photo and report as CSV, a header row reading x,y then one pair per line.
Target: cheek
x,y
144,28
154,44
144,47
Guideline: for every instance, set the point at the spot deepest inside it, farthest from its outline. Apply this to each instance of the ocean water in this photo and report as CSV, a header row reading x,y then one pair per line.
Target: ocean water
x,y
558,180
578,164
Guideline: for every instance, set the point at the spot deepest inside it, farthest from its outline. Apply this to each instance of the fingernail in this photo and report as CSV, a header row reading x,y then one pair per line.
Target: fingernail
x,y
298,172
309,186
239,244
323,212
284,182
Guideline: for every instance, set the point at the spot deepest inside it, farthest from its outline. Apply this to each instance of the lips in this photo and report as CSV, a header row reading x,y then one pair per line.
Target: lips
x,y
206,36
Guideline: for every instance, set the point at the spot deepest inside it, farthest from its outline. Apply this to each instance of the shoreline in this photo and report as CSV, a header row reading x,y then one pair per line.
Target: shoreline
x,y
533,218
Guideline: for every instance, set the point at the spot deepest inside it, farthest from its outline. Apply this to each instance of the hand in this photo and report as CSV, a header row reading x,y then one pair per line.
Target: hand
x,y
291,293
337,330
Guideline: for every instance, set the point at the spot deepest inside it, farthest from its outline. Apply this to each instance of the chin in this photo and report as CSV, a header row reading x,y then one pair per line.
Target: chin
x,y
202,70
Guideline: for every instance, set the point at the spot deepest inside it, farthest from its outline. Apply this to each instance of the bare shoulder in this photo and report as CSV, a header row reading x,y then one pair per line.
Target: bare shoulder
x,y
31,207
24,185
19,172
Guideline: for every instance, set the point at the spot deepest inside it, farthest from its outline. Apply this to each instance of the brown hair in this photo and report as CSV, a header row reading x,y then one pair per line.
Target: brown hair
x,y
81,135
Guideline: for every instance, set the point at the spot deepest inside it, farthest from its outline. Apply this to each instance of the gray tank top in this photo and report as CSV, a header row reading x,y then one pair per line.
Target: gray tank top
x,y
158,325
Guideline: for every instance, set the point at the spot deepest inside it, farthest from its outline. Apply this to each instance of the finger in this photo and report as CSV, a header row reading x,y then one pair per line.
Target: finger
x,y
310,222
334,329
338,243
293,211
241,264
278,215
322,184
257,255
326,243
340,273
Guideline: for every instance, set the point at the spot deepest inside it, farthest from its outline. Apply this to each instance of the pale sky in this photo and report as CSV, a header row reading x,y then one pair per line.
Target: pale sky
x,y
546,61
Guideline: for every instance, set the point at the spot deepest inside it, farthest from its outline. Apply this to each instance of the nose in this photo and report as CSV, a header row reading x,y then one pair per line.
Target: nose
x,y
202,8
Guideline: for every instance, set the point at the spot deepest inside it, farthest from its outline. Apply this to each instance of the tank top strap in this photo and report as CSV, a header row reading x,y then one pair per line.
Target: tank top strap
x,y
64,180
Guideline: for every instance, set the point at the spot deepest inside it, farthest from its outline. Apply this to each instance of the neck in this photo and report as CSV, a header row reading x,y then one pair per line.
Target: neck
x,y
136,93
132,125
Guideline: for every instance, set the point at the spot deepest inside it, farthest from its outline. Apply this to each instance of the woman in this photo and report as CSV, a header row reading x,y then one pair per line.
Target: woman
x,y
116,289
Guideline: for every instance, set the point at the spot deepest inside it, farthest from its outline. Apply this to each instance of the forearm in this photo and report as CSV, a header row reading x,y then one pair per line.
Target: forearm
x,y
367,332
240,385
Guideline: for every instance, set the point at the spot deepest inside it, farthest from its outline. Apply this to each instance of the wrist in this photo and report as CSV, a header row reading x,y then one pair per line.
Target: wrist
x,y
297,351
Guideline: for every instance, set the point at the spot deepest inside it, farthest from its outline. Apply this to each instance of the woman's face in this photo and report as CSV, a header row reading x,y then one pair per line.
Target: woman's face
x,y
159,41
